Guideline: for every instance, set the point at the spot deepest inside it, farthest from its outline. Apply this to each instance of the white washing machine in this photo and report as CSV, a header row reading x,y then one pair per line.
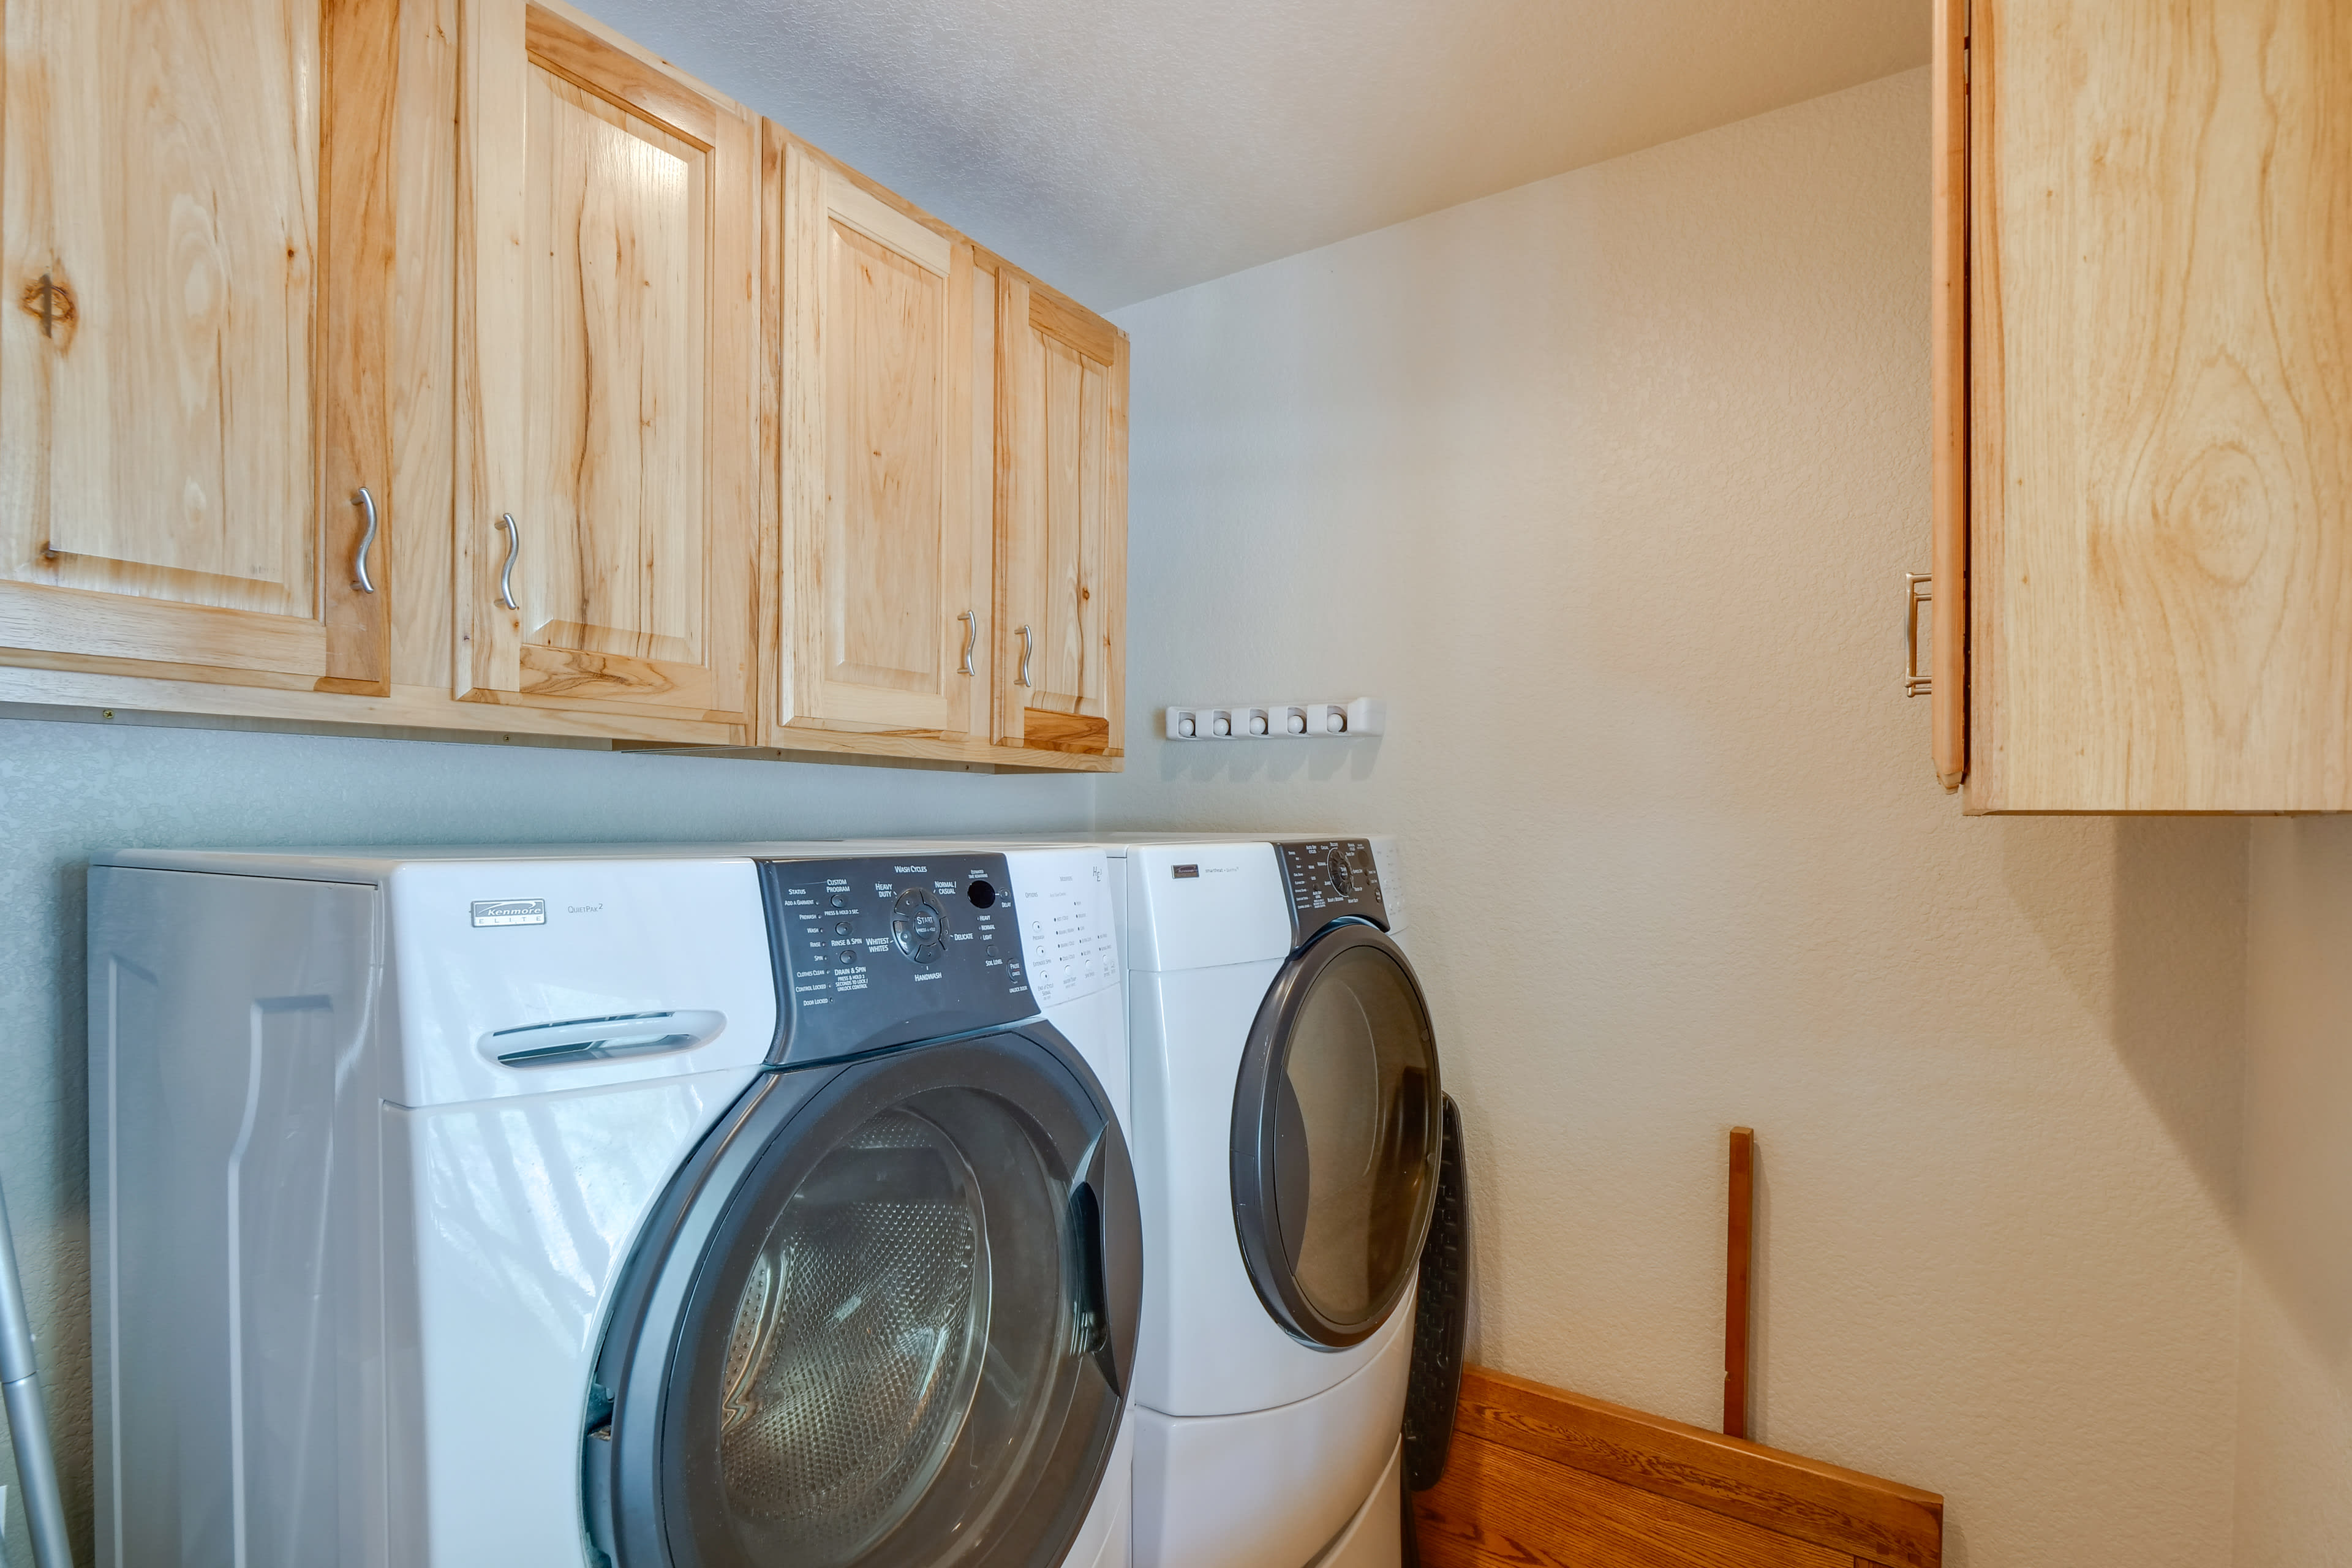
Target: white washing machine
x,y
486,1208
1286,1126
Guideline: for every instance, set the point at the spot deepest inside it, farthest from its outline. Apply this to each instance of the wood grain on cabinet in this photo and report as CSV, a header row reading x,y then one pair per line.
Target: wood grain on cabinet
x,y
422,374
1061,522
2161,409
875,392
1539,1475
606,495
192,693
980,640
194,341
1948,342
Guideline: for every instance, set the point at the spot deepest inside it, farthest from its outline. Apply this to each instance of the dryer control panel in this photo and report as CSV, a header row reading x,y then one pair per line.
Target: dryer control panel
x,y
1329,879
877,950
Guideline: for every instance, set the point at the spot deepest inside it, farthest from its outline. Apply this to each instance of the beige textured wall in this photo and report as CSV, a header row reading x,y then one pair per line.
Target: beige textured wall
x,y
1607,484
2295,1463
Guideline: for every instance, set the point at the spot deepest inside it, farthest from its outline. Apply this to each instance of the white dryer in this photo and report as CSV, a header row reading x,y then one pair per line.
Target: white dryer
x,y
661,1208
1287,1125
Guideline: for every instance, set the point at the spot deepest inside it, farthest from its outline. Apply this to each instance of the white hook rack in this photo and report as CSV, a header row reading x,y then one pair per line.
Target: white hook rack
x,y
1323,721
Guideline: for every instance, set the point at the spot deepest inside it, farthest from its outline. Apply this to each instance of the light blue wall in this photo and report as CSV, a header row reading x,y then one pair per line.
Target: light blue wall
x,y
66,790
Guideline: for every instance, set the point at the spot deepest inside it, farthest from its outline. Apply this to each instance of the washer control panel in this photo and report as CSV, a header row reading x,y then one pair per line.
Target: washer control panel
x,y
1327,879
877,950
1066,926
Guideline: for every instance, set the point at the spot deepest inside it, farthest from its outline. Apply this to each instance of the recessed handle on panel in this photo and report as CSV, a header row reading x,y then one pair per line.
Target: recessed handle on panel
x,y
360,578
514,548
971,638
1920,586
1028,646
1102,1230
575,1040
1089,1290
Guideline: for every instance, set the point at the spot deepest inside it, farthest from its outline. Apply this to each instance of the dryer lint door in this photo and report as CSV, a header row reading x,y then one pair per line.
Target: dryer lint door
x,y
1336,1137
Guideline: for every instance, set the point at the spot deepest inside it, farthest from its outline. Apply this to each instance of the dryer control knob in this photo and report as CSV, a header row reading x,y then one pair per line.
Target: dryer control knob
x,y
917,929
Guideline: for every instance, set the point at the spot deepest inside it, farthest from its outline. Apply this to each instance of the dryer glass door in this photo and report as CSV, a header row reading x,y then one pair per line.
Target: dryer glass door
x,y
889,1323
1336,1136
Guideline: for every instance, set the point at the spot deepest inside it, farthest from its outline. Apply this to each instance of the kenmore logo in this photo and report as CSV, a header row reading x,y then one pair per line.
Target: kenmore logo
x,y
1187,871
510,912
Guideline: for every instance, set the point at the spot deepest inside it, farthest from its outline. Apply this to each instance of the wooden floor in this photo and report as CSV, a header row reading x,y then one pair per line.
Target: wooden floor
x,y
1540,1478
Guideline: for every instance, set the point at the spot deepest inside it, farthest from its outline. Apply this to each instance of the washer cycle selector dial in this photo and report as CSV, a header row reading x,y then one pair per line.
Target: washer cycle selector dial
x,y
918,929
1330,879
932,949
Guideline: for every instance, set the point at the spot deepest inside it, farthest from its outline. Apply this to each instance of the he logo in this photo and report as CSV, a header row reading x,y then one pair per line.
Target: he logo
x,y
510,912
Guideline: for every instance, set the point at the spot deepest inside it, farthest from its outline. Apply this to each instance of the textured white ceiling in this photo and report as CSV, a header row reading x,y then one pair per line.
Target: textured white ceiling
x,y
1122,149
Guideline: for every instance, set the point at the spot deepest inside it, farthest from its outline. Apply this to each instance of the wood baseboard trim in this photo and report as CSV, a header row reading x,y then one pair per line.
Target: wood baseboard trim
x,y
1539,1476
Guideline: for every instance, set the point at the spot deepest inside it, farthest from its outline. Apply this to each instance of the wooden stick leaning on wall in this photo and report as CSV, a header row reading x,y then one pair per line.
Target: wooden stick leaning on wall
x,y
1540,1478
1738,1275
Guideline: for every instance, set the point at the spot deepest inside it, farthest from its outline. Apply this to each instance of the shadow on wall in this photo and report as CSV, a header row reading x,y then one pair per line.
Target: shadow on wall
x,y
2171,981
1270,762
2298,1196
64,1350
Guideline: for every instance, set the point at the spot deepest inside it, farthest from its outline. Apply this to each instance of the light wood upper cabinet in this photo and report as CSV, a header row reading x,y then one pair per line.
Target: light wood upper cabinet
x,y
1061,524
607,238
2146,543
453,367
193,349
877,625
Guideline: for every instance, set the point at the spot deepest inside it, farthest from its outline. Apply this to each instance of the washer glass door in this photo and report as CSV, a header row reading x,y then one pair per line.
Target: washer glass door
x,y
1337,1136
896,1341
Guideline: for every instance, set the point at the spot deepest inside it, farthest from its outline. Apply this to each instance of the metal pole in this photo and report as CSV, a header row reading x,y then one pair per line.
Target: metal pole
x,y
28,1424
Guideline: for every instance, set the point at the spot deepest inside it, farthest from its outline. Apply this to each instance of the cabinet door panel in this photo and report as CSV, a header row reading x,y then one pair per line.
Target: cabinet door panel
x,y
1949,345
1061,540
885,367
1071,533
976,649
168,176
2161,423
608,408
877,383
613,382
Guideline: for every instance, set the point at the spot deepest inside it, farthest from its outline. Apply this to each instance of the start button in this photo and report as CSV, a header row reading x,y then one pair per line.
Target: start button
x,y
918,929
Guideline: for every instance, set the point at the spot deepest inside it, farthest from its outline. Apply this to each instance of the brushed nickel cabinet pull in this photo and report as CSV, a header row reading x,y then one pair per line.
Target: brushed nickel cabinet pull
x,y
514,548
1920,589
971,638
1028,646
360,578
